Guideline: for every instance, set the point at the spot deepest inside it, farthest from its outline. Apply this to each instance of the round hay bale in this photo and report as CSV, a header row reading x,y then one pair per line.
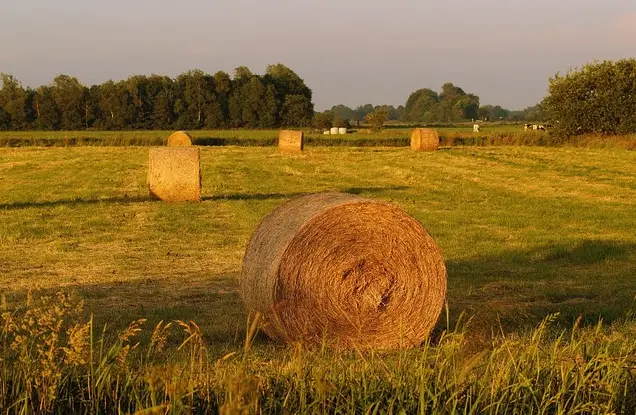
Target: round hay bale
x,y
174,174
344,269
291,141
425,139
179,138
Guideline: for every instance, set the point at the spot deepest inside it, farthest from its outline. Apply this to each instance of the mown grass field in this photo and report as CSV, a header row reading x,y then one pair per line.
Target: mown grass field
x,y
526,232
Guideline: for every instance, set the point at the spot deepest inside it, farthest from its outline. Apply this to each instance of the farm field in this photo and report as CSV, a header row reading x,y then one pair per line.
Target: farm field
x,y
526,232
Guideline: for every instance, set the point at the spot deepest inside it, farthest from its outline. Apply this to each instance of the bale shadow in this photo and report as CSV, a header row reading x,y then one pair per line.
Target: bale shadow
x,y
125,199
268,196
590,281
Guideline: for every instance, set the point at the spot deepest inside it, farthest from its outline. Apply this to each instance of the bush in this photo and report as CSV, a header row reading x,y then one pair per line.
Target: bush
x,y
600,98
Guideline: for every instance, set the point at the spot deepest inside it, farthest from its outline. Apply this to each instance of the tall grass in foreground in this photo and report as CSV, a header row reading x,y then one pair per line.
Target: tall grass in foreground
x,y
53,362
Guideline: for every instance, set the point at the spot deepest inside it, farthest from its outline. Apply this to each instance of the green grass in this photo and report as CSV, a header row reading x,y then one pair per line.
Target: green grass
x,y
526,232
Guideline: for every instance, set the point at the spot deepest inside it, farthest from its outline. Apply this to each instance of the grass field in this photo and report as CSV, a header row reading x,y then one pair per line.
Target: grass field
x,y
526,232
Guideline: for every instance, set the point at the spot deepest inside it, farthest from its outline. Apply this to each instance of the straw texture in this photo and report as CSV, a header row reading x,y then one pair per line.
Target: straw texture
x,y
350,271
291,141
174,174
179,138
424,139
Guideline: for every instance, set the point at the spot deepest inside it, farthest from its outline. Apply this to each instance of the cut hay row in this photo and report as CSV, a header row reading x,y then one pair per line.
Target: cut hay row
x,y
346,270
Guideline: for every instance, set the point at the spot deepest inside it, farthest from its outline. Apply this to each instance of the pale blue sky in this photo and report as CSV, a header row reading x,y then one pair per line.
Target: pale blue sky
x,y
348,51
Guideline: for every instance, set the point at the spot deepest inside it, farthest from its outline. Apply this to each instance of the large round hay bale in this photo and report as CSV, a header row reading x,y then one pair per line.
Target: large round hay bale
x,y
350,271
174,174
179,138
291,141
425,139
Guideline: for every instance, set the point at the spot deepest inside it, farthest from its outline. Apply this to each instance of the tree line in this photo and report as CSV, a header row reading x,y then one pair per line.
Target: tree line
x,y
425,106
193,100
598,98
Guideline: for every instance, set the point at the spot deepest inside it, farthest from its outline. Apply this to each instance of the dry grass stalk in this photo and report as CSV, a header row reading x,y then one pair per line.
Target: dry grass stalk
x,y
425,139
291,141
348,270
179,139
174,174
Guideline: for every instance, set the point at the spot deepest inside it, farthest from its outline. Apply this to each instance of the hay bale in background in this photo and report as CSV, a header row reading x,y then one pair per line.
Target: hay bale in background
x,y
356,272
291,141
425,139
333,130
179,138
174,174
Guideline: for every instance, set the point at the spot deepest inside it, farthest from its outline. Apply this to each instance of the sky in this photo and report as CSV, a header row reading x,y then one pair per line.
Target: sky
x,y
350,52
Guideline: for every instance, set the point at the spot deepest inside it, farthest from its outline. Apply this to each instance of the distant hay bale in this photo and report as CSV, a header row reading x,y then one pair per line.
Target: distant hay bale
x,y
344,269
425,139
179,138
333,130
291,141
342,130
174,174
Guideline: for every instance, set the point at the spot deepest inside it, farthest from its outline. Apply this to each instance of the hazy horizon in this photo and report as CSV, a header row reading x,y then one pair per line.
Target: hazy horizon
x,y
350,53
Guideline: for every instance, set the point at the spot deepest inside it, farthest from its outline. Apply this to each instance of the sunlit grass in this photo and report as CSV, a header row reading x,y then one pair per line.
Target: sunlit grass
x,y
526,232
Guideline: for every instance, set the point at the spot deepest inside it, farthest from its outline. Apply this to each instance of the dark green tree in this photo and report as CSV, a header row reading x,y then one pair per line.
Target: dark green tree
x,y
420,106
297,111
362,111
160,94
13,100
46,109
344,113
377,118
70,98
322,120
5,120
599,98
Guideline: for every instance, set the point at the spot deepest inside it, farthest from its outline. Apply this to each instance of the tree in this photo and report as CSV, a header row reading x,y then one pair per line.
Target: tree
x,y
420,106
377,118
598,98
297,111
5,120
362,111
160,92
322,120
197,89
46,109
344,113
13,101
70,98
